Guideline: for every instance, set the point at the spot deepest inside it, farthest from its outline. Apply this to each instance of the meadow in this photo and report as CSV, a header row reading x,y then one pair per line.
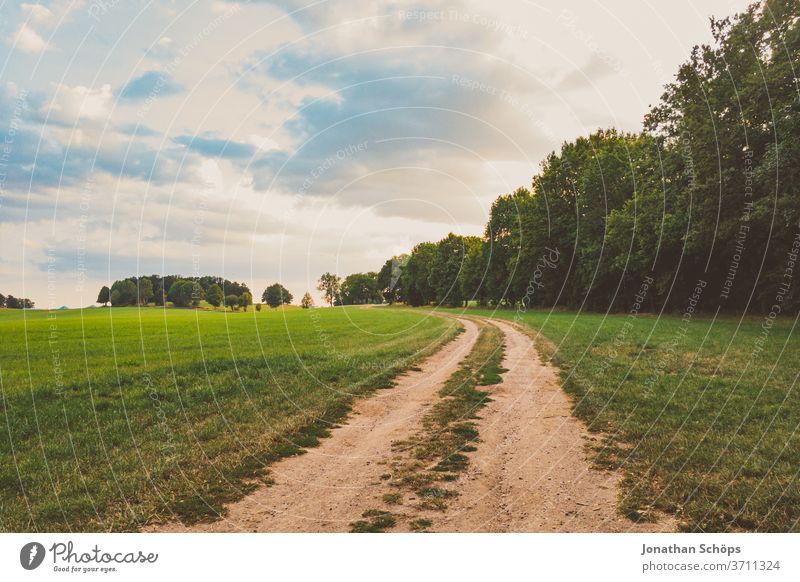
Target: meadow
x,y
111,419
701,416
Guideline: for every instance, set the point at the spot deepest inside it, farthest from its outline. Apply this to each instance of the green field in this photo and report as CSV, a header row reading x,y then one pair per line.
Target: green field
x,y
702,417
115,418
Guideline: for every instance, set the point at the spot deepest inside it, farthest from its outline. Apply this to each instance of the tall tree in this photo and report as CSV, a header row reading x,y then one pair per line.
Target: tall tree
x,y
390,279
445,272
104,296
245,299
330,285
416,275
473,272
214,295
144,290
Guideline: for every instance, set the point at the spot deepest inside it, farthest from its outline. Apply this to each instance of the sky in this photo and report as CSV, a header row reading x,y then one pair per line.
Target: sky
x,y
273,141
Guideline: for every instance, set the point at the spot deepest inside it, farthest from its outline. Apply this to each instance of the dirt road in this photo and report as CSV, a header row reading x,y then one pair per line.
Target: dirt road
x,y
530,472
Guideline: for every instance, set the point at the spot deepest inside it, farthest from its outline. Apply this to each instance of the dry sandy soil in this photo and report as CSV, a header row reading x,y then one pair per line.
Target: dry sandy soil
x,y
530,473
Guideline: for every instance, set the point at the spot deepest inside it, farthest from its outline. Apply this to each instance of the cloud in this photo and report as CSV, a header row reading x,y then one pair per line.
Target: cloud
x,y
414,107
137,129
216,148
594,70
71,105
28,40
37,13
149,85
69,149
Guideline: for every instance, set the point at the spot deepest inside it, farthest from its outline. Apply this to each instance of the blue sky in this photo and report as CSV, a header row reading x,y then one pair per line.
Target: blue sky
x,y
270,141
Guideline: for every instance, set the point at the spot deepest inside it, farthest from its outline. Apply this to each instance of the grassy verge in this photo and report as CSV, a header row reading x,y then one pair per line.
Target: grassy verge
x,y
437,454
702,416
114,418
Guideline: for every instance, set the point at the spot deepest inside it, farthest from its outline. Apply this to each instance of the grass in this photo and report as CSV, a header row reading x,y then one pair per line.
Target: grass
x,y
111,419
701,417
376,521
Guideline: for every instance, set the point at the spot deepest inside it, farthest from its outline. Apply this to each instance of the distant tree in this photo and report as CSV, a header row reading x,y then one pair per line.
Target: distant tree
x,y
330,286
144,290
360,288
231,301
258,307
27,304
390,279
245,300
214,295
114,298
234,288
474,270
12,302
417,289
307,301
126,293
276,295
444,275
104,296
2,300
184,292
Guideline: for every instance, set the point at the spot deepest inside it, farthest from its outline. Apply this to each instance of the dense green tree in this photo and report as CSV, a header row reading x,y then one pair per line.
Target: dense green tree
x,y
245,300
126,293
12,302
231,301
144,290
502,246
445,272
390,280
474,270
361,288
276,295
184,293
732,115
214,295
104,296
416,274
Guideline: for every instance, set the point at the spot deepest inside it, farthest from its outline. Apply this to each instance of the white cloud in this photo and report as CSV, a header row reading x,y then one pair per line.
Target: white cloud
x,y
37,13
28,40
72,104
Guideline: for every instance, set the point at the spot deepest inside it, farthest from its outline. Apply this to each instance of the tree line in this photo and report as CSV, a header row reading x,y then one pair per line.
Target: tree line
x,y
706,195
181,291
11,302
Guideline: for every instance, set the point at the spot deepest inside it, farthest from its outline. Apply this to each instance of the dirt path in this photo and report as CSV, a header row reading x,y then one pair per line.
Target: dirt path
x,y
330,486
531,472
